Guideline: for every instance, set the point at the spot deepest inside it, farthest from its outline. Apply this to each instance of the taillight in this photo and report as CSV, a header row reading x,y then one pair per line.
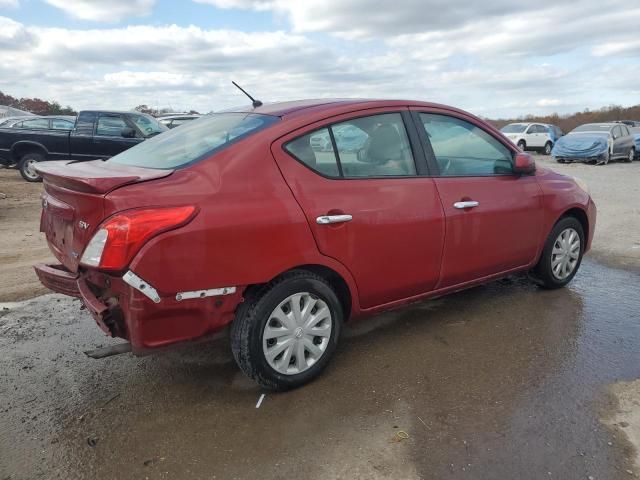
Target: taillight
x,y
120,237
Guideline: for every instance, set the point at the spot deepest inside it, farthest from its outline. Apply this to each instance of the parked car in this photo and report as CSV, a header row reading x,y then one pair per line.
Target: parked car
x,y
530,136
596,142
236,220
10,121
555,132
94,135
635,131
173,121
630,123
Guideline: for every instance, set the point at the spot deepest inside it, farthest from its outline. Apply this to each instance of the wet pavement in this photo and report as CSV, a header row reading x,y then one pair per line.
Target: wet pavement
x,y
501,381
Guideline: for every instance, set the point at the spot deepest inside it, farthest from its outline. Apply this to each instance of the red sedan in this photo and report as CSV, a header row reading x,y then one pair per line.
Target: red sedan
x,y
286,220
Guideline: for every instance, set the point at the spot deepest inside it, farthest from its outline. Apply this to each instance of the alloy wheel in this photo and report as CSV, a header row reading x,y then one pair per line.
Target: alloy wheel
x,y
565,253
30,168
297,333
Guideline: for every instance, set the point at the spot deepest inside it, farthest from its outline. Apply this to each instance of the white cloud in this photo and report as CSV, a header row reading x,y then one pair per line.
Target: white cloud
x,y
103,11
496,59
9,3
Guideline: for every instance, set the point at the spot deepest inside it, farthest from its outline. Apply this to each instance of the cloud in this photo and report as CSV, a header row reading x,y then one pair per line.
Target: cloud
x,y
497,59
103,11
9,3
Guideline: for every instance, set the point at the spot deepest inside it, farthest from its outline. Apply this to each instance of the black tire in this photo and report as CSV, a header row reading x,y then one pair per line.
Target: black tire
x,y
547,148
522,145
25,166
543,272
251,318
631,156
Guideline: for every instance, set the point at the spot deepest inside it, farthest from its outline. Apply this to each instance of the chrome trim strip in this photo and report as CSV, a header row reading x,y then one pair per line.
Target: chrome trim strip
x,y
205,293
143,287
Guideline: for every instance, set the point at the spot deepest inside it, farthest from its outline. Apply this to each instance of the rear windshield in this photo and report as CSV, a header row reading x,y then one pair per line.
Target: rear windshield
x,y
592,127
514,128
193,141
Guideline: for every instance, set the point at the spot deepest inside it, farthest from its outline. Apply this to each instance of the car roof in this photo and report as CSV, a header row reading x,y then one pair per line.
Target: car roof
x,y
282,109
178,115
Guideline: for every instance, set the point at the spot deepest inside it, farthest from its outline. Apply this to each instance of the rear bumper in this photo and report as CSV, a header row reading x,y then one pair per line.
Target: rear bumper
x,y
123,311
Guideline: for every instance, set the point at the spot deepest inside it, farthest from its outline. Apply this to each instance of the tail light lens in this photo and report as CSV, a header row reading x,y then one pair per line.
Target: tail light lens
x,y
120,237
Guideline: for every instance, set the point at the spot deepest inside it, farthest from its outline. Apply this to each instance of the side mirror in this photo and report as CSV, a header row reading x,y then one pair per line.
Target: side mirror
x,y
524,164
128,132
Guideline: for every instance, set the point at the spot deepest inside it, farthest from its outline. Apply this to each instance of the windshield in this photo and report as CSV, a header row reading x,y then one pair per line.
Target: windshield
x,y
194,140
514,128
592,127
149,126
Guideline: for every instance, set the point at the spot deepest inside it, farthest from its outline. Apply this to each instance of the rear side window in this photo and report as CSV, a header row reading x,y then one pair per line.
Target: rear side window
x,y
463,149
59,124
315,150
373,146
194,141
37,124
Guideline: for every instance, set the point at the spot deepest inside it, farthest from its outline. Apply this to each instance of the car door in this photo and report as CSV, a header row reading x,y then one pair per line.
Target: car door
x,y
530,136
493,217
368,201
108,140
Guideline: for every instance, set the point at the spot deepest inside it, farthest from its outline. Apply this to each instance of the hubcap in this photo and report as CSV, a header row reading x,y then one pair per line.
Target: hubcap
x,y
30,168
565,253
297,333
632,154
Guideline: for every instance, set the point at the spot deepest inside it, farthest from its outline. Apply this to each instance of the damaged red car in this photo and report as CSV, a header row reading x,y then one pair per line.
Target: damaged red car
x,y
287,220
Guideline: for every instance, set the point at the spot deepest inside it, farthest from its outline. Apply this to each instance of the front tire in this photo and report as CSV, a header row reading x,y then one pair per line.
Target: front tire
x,y
522,145
631,156
285,333
562,254
26,165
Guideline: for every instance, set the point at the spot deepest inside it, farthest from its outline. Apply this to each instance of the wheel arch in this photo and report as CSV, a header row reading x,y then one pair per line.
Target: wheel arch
x,y
341,286
580,215
21,148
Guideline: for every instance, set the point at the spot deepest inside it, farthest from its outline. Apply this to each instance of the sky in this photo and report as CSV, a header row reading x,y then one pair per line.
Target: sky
x,y
495,58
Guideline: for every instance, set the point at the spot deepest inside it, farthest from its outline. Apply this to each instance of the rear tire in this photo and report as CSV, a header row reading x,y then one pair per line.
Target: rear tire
x,y
562,254
262,325
547,148
26,166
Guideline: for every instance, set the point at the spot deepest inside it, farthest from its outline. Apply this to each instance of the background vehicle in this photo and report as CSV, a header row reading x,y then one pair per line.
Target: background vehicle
x,y
630,123
635,131
173,121
596,142
530,136
95,134
235,219
9,121
555,132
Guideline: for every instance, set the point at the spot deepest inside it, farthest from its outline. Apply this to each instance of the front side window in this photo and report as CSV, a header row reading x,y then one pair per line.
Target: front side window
x,y
373,146
194,141
464,149
148,125
110,126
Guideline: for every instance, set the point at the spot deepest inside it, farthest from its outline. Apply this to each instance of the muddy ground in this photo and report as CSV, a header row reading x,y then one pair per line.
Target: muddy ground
x,y
501,381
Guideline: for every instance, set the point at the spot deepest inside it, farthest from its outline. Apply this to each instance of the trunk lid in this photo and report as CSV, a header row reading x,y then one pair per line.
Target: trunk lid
x,y
73,203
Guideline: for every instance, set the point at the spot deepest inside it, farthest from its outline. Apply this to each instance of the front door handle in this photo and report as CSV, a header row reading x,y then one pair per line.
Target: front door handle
x,y
328,219
467,204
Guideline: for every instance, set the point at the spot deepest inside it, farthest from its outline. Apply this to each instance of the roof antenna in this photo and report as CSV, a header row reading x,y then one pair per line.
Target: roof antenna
x,y
255,103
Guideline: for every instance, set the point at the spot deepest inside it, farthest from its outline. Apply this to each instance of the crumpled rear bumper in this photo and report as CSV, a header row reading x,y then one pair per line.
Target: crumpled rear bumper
x,y
123,311
58,279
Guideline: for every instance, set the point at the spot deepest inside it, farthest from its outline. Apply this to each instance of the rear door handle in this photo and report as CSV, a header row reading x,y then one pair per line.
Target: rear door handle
x,y
328,219
467,204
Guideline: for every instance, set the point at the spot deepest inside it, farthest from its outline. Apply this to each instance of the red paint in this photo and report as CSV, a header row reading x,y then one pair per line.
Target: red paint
x,y
257,207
